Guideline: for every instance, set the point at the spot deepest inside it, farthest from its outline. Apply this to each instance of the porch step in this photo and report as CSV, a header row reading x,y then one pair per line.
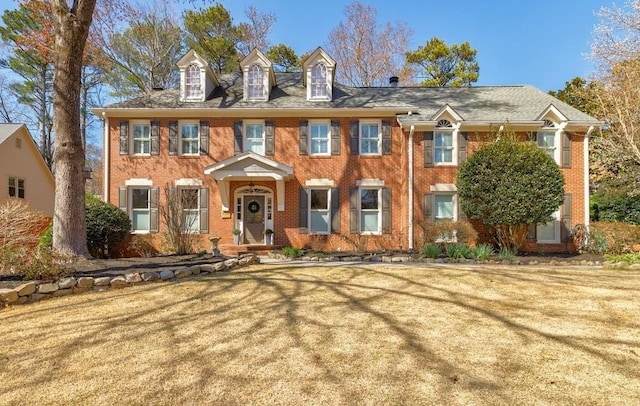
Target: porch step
x,y
235,250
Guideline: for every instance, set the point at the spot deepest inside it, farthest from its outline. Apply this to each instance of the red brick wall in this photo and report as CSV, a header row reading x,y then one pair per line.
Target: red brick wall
x,y
344,170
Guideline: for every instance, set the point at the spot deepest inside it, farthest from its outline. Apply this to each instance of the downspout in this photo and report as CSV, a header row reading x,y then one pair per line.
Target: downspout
x,y
410,200
585,153
105,157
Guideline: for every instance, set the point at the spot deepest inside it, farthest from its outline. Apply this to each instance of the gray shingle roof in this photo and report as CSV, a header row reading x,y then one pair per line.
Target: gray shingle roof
x,y
489,103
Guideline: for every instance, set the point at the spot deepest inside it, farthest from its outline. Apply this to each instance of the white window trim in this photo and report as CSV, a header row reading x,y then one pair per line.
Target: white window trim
x,y
247,123
328,192
360,138
556,223
180,189
310,138
197,139
132,124
379,231
17,187
454,200
187,83
556,141
325,84
454,143
130,208
265,78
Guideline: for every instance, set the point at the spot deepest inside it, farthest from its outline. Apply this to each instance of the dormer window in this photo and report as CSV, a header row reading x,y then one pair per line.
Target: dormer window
x,y
255,87
193,85
319,81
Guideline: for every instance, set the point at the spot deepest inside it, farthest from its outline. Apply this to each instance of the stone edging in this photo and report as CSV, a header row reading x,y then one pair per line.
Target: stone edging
x,y
33,291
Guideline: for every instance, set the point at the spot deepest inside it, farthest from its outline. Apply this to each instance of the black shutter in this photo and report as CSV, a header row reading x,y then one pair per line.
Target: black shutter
x,y
532,231
427,208
462,216
237,137
565,220
462,148
303,210
122,199
354,140
428,148
386,210
335,137
335,210
153,205
155,137
124,138
354,221
204,137
204,210
303,141
269,141
173,138
566,150
386,137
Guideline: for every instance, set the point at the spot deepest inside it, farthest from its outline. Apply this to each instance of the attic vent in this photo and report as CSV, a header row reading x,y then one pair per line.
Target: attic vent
x,y
393,81
444,124
548,124
18,143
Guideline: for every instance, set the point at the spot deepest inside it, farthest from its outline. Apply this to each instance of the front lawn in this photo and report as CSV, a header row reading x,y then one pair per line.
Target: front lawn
x,y
335,334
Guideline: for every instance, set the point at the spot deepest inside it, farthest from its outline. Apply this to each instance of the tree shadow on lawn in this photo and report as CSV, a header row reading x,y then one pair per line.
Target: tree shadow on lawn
x,y
326,320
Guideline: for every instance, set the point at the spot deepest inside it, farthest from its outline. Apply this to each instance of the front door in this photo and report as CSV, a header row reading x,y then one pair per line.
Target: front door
x,y
253,219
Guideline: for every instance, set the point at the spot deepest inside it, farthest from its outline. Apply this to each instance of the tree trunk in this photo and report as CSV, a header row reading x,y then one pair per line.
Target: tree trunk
x,y
72,27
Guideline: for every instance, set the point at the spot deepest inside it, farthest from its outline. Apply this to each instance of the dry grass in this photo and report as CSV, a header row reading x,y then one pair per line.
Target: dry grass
x,y
376,334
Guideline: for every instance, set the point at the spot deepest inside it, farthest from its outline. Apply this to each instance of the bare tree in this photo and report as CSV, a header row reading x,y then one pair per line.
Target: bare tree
x,y
616,37
176,215
71,20
367,53
255,33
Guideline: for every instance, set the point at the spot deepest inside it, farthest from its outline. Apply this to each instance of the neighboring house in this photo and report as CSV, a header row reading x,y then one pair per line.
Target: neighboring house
x,y
23,172
320,162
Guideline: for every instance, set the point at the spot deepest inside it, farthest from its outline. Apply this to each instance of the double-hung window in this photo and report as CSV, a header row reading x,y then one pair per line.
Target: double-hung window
x,y
319,81
16,187
550,231
370,213
192,82
254,137
443,147
320,138
319,211
190,138
370,138
255,85
190,203
547,140
141,138
140,210
445,207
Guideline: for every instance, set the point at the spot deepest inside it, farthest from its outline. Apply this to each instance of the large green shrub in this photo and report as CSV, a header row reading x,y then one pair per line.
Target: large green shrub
x,y
615,205
509,185
107,226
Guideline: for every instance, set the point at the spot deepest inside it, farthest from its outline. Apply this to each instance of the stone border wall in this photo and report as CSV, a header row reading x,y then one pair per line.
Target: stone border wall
x,y
36,290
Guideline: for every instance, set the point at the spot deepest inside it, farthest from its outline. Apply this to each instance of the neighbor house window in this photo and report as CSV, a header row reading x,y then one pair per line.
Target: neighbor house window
x,y
443,143
550,231
190,199
370,138
254,137
320,138
370,213
140,210
192,82
16,187
141,138
255,85
190,138
319,211
319,81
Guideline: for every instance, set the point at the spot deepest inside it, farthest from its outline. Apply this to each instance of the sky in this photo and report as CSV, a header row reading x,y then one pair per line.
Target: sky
x,y
543,43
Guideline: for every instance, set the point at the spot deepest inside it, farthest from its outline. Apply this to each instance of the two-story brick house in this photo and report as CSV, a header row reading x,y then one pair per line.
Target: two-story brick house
x,y
315,160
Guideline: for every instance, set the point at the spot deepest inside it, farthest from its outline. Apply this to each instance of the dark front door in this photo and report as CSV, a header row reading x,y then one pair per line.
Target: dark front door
x,y
253,219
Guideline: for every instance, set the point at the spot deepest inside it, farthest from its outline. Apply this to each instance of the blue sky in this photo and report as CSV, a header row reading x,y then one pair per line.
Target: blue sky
x,y
543,43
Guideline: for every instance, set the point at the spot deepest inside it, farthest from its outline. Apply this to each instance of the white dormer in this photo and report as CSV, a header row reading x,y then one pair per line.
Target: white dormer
x,y
197,80
318,73
258,76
